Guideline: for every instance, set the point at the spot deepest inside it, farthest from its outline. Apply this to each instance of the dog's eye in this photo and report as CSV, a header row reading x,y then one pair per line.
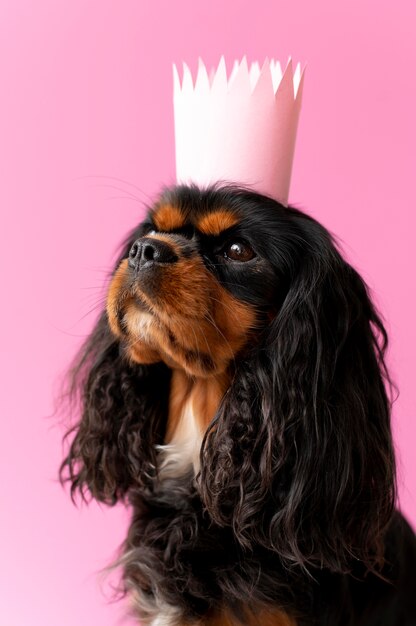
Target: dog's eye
x,y
239,251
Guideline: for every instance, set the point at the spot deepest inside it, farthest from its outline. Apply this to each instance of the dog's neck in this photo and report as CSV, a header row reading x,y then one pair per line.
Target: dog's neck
x,y
193,403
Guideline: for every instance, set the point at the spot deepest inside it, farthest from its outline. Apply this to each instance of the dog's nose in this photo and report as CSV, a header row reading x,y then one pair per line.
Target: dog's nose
x,y
146,252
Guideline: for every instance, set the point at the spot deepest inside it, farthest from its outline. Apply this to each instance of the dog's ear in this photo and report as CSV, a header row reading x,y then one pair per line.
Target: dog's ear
x,y
123,409
300,455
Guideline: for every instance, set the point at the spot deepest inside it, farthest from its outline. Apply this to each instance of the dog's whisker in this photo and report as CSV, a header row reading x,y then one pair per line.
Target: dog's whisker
x,y
88,287
120,180
122,198
210,319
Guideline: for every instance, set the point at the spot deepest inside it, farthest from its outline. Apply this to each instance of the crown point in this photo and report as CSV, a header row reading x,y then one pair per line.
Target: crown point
x,y
176,80
264,84
244,66
222,61
187,83
276,71
219,81
285,88
299,86
296,79
240,80
202,80
254,74
234,71
201,67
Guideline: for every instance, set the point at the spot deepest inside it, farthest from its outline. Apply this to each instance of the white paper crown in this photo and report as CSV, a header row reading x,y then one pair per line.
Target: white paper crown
x,y
240,129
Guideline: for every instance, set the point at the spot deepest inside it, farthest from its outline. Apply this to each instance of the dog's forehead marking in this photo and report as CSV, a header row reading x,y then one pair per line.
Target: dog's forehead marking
x,y
168,217
215,222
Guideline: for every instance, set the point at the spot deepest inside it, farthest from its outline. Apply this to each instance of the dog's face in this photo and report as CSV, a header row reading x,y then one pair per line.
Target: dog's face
x,y
198,283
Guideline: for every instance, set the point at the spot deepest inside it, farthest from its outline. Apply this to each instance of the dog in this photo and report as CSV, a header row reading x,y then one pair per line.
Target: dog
x,y
234,395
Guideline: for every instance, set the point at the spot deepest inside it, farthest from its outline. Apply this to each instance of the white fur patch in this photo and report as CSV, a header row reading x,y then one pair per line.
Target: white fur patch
x,y
183,451
142,324
168,616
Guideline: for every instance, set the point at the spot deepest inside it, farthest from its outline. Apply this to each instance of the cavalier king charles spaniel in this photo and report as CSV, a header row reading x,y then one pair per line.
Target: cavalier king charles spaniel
x,y
233,394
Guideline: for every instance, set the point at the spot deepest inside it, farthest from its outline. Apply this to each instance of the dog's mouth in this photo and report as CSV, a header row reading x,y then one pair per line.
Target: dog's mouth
x,y
165,305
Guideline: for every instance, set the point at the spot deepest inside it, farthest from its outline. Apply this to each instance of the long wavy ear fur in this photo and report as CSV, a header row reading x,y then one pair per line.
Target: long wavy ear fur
x,y
123,414
123,409
300,455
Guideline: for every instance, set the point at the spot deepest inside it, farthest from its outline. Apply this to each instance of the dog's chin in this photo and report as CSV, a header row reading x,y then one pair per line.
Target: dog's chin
x,y
181,345
140,341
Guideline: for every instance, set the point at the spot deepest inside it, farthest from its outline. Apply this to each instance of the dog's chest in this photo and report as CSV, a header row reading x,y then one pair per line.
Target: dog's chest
x,y
192,405
181,453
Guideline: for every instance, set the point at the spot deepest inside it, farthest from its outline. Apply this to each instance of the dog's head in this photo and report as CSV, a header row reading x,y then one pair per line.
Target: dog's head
x,y
229,286
198,283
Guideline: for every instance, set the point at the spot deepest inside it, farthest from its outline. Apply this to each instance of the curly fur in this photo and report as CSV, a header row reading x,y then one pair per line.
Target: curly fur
x,y
123,405
294,504
313,383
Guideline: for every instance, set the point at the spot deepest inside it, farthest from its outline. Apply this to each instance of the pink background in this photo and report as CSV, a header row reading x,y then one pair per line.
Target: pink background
x,y
85,100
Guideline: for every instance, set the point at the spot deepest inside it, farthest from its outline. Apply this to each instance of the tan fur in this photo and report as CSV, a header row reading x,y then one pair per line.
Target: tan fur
x,y
262,618
216,222
203,394
117,297
270,617
167,217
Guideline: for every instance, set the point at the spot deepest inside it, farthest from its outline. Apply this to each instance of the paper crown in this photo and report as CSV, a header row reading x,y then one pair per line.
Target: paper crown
x,y
240,129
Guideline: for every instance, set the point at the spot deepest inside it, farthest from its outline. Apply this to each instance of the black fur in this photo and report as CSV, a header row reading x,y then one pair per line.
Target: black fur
x,y
294,505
